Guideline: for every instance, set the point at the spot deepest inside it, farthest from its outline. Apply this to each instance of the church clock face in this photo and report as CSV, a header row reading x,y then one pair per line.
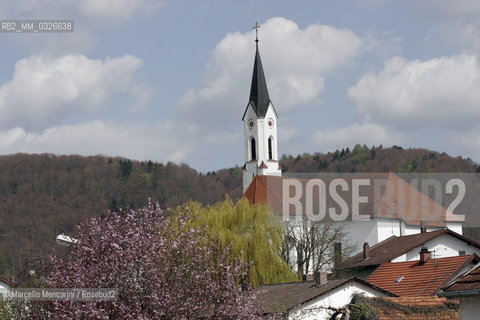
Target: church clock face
x,y
251,124
270,123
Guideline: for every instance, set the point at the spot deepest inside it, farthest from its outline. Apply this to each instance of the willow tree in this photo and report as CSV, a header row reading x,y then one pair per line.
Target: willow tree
x,y
251,233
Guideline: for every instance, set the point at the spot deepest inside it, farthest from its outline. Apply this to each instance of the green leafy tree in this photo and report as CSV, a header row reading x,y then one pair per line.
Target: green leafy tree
x,y
251,233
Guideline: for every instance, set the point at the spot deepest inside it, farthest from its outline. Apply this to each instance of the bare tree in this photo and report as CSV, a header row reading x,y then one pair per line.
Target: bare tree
x,y
311,246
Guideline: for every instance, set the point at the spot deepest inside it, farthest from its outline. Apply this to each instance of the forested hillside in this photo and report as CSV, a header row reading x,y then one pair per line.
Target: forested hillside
x,y
43,195
377,159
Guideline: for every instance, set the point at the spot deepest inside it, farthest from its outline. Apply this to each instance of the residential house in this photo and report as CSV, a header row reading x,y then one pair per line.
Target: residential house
x,y
467,289
441,243
314,299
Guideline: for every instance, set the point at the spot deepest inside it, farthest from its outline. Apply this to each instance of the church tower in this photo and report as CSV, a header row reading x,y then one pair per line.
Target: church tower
x,y
260,126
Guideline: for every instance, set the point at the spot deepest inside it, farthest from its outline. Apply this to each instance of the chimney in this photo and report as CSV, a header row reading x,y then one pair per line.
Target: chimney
x,y
424,255
321,278
366,250
423,227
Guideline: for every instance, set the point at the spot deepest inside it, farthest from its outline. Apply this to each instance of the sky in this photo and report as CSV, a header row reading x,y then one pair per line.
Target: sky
x,y
169,80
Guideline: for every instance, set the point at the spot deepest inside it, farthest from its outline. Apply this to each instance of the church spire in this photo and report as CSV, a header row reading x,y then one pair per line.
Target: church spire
x,y
259,98
260,125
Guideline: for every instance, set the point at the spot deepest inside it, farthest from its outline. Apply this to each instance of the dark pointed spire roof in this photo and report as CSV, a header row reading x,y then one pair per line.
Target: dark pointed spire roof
x,y
259,98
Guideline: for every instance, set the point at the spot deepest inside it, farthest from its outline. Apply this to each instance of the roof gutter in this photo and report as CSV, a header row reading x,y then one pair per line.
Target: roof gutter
x,y
463,293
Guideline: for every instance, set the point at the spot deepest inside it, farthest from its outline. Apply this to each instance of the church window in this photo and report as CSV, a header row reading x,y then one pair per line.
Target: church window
x,y
254,149
270,149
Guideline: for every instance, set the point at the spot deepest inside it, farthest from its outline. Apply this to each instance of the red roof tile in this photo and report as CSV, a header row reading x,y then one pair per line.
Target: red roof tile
x,y
417,308
263,165
419,279
468,282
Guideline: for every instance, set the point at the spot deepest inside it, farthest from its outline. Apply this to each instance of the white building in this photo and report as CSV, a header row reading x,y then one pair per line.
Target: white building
x,y
314,300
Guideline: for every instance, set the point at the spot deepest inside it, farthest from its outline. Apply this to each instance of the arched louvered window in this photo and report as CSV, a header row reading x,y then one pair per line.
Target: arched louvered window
x,y
270,148
253,149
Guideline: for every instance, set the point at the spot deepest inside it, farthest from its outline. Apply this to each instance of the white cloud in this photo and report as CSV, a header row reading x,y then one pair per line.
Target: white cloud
x,y
455,23
440,92
165,141
43,90
139,141
296,62
91,18
363,133
110,9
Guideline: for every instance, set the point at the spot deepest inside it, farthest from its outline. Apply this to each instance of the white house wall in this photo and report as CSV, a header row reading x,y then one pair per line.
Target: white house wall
x,y
469,308
372,231
376,230
387,228
336,298
455,226
442,246
359,232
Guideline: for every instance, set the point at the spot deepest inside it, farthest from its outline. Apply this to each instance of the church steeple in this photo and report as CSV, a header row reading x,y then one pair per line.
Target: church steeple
x,y
259,98
260,123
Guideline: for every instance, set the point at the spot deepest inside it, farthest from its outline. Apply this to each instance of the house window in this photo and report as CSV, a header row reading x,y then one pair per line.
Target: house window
x,y
254,149
461,252
270,149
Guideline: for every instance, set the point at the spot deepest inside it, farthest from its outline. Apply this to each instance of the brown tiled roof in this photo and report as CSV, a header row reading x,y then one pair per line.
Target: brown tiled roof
x,y
281,298
468,282
263,165
393,247
417,308
269,190
419,279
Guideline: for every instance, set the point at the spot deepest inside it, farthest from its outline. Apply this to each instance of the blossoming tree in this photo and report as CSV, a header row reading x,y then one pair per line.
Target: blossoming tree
x,y
161,267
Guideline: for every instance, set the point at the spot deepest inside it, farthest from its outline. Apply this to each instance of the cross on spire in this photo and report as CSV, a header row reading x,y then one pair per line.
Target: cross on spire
x,y
256,31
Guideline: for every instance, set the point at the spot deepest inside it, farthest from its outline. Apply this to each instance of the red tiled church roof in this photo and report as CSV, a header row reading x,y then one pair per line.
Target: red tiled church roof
x,y
269,190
